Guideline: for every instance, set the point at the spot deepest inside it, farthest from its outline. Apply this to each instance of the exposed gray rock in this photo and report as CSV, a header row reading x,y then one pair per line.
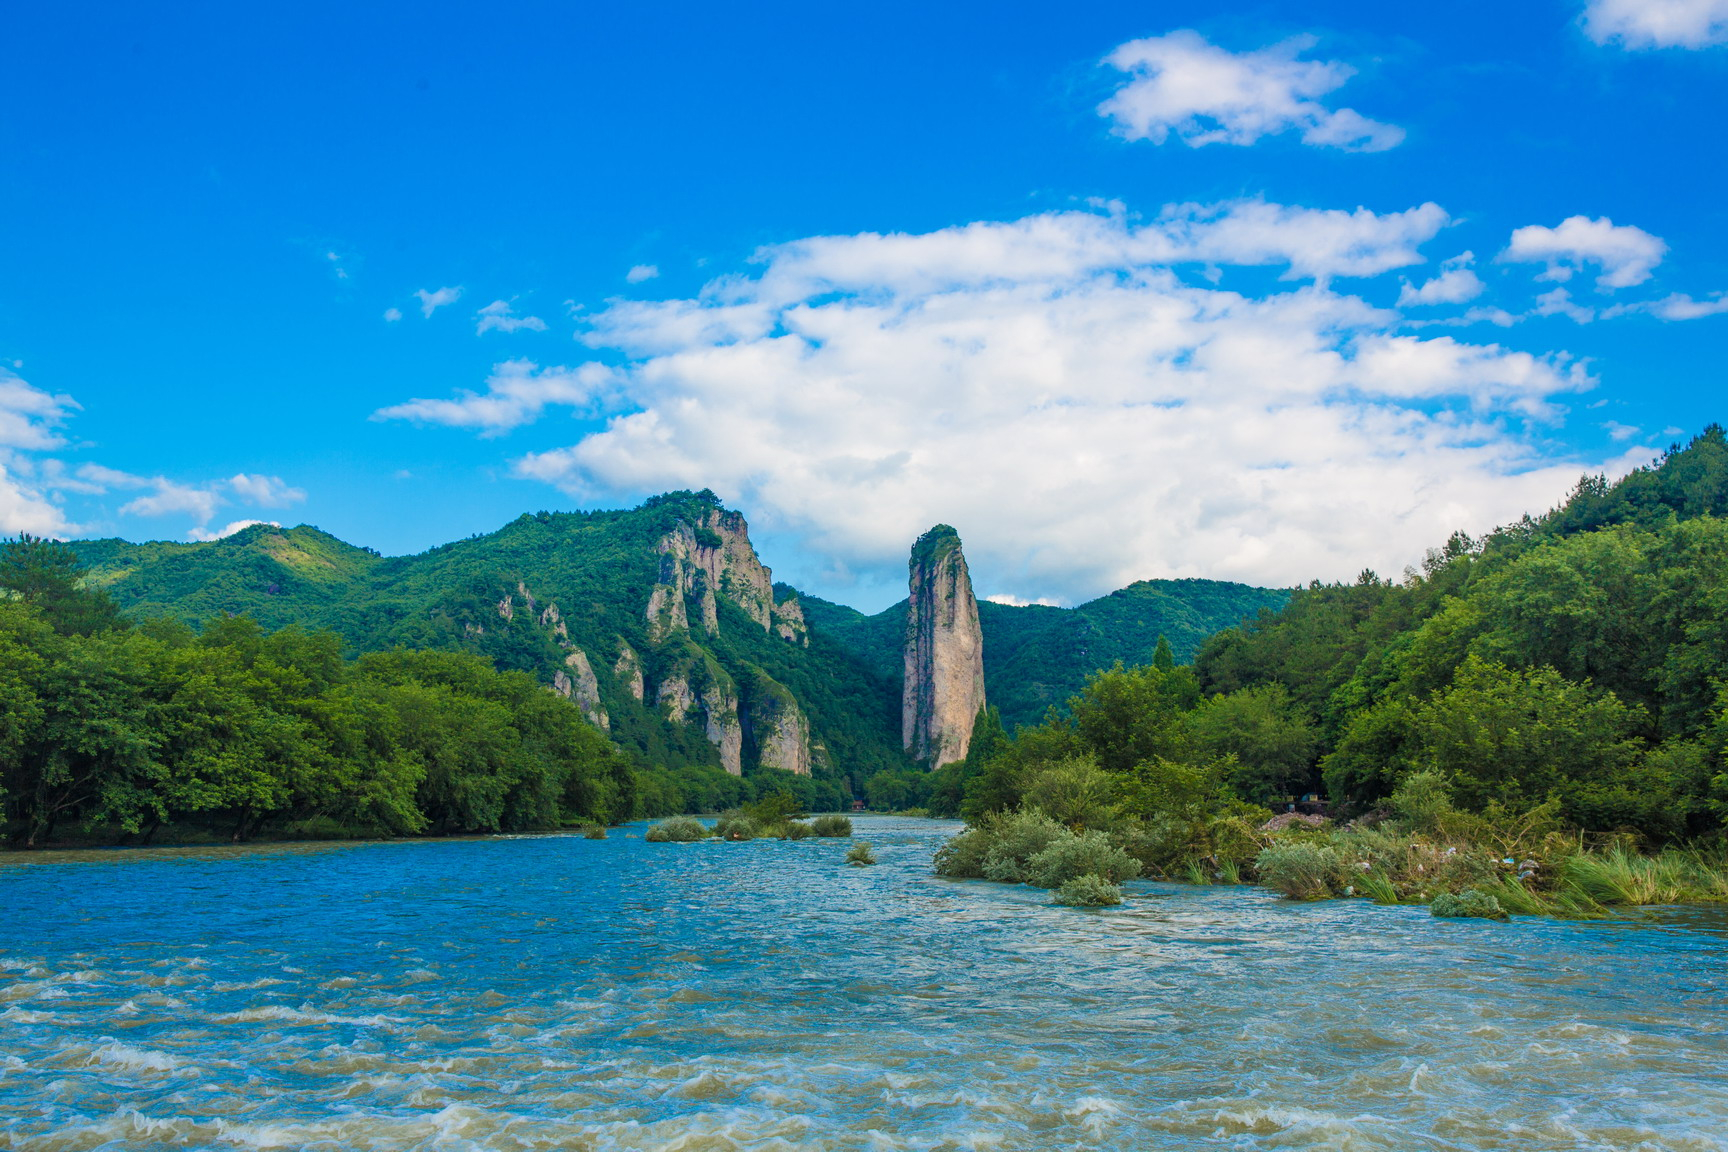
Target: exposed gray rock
x,y
944,652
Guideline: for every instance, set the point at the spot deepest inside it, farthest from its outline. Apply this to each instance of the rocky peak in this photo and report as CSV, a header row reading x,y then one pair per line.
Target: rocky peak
x,y
944,651
703,561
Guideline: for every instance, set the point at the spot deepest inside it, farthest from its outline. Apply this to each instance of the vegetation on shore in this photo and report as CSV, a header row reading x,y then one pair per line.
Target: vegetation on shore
x,y
777,816
1537,716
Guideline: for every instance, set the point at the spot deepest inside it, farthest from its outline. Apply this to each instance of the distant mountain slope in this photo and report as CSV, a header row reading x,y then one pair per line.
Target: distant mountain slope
x,y
660,621
1036,656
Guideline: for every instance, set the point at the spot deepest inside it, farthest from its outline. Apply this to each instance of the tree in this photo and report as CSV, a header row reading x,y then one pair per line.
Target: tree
x,y
47,576
1272,742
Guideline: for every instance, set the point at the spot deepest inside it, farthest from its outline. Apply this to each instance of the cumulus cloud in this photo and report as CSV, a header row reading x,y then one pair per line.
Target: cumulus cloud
x,y
1682,307
498,316
1453,286
517,392
642,272
29,417
1625,254
1559,302
226,530
391,315
430,302
264,491
1179,83
1657,23
1056,390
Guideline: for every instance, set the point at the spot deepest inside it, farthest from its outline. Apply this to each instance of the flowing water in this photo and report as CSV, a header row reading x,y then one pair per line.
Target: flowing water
x,y
556,992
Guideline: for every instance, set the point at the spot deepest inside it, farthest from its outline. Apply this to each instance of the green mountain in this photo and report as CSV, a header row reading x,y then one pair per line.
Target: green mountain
x,y
1037,656
661,623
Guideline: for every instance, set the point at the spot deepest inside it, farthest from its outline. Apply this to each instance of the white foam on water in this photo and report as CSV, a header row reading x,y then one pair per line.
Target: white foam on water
x,y
126,1056
302,1015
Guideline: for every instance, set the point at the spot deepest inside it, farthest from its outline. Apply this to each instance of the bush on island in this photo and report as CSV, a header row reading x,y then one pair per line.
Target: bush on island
x,y
595,832
795,830
734,826
1073,857
677,830
1088,891
1017,838
832,825
860,855
1471,903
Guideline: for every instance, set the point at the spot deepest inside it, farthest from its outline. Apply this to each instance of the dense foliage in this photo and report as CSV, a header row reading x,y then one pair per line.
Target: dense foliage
x,y
118,729
1504,721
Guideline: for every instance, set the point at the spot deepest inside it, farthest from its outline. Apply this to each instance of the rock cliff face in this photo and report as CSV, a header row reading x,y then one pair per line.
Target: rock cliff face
x,y
944,652
701,562
778,726
576,681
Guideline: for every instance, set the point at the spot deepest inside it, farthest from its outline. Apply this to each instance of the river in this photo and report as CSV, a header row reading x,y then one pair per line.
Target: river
x,y
545,992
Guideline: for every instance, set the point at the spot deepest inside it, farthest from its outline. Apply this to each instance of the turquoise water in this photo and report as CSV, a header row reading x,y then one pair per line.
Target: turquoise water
x,y
556,992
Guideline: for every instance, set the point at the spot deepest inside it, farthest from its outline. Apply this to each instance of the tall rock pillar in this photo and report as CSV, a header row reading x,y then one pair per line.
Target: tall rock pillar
x,y
944,652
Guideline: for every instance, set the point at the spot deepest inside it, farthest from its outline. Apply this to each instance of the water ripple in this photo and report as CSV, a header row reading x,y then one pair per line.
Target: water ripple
x,y
557,992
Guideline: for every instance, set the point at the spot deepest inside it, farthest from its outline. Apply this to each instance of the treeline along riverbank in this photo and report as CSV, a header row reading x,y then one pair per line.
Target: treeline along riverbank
x,y
120,732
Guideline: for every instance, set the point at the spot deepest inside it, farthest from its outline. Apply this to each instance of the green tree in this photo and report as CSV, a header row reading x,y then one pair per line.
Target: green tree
x,y
1271,741
47,576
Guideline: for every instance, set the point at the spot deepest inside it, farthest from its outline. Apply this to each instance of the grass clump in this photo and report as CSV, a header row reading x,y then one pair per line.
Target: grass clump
x,y
859,855
795,830
1472,903
1302,870
832,825
677,830
1088,891
594,832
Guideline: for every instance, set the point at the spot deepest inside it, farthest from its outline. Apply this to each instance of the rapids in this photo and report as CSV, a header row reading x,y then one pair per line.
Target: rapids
x,y
543,992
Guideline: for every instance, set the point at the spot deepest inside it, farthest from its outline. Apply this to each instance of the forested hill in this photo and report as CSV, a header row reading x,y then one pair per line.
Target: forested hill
x,y
1037,656
661,622
1578,655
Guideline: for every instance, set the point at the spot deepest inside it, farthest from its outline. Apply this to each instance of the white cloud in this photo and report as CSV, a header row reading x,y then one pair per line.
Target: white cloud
x,y
1052,388
1618,431
1682,307
498,316
1625,254
430,302
1453,286
1016,602
517,392
1657,23
391,315
169,497
264,491
226,530
1206,95
29,416
1559,303
642,272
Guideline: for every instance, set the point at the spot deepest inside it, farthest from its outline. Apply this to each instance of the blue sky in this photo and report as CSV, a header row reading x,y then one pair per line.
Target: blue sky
x,y
1253,291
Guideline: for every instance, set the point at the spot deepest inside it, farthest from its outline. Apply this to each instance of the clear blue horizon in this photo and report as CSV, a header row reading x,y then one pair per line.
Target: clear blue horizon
x,y
1262,292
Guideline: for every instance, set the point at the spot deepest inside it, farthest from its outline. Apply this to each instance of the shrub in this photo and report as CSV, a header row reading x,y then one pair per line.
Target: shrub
x,y
678,830
962,858
832,825
795,830
860,855
1089,855
1016,839
594,832
1472,902
1302,871
1088,891
733,826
